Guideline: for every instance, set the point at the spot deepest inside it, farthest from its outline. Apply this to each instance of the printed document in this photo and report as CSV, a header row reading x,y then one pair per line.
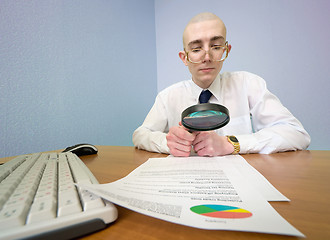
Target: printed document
x,y
220,193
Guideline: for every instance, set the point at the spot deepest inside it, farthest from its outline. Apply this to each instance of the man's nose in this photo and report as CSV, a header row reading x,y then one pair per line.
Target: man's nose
x,y
207,56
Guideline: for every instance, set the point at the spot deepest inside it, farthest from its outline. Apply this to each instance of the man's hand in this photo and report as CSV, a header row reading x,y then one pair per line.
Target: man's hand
x,y
179,141
211,144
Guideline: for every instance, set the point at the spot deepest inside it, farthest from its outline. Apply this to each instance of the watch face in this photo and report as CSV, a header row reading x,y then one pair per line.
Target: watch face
x,y
233,138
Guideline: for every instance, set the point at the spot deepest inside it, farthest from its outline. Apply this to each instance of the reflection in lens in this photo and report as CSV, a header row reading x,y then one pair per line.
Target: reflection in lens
x,y
205,119
206,113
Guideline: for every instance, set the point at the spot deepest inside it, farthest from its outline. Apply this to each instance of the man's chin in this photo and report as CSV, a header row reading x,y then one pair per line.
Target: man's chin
x,y
204,82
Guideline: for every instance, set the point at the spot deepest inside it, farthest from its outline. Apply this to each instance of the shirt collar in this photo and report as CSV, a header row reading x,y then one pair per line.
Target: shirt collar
x,y
214,89
196,91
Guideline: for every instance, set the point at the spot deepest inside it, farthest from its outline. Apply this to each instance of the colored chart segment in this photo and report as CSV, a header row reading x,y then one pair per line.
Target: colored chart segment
x,y
221,211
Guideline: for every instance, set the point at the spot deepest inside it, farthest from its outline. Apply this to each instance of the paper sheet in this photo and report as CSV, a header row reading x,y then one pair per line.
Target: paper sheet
x,y
207,193
257,180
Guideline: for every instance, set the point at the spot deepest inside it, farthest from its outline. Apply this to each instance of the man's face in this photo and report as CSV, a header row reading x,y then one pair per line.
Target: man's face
x,y
204,34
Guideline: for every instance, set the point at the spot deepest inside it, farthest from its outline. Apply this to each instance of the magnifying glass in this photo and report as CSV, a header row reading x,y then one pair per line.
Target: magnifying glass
x,y
205,117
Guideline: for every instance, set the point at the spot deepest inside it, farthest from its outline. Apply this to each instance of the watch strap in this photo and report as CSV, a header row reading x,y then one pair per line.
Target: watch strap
x,y
233,140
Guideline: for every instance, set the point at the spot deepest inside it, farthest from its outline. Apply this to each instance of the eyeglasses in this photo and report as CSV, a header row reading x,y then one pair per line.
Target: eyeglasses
x,y
216,53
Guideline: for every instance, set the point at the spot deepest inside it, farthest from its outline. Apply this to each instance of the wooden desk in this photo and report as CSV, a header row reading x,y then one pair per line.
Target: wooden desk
x,y
302,176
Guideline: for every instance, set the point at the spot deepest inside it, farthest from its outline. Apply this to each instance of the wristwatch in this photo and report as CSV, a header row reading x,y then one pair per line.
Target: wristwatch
x,y
233,140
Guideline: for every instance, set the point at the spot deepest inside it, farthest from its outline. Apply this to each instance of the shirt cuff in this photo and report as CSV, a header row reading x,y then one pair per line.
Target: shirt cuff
x,y
247,143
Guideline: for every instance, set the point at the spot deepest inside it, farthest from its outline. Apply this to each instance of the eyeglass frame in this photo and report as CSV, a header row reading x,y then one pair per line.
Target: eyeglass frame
x,y
226,48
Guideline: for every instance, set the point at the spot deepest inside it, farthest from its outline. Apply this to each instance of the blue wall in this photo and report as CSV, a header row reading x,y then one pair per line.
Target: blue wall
x,y
284,41
88,71
74,71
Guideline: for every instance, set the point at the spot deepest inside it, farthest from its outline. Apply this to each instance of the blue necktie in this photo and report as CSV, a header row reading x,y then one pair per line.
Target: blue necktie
x,y
205,96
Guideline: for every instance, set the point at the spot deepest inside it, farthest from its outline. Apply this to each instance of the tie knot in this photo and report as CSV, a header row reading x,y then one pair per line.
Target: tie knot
x,y
204,97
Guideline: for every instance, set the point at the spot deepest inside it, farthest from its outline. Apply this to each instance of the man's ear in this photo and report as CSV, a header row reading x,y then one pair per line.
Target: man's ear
x,y
229,48
182,56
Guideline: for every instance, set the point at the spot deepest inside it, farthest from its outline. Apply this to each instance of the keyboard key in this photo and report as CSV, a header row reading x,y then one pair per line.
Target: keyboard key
x,y
5,192
14,215
68,203
90,200
80,176
42,209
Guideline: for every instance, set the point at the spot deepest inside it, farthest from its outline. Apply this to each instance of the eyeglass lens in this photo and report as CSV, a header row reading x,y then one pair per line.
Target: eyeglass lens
x,y
215,54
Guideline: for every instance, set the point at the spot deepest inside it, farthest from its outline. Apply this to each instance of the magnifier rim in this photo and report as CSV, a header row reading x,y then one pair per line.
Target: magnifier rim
x,y
204,107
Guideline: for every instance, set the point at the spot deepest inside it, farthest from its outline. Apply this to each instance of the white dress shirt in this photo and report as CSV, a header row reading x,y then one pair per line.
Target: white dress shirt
x,y
257,118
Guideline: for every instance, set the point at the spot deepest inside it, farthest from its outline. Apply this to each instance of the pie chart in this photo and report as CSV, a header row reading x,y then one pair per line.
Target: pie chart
x,y
221,211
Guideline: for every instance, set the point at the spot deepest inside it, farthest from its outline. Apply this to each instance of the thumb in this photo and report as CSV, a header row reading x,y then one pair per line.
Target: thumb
x,y
192,132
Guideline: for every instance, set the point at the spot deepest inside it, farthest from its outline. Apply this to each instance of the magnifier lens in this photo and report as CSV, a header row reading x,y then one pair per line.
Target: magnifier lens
x,y
205,117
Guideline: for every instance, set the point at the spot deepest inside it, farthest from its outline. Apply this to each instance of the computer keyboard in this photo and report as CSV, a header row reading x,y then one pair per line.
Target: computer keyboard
x,y
39,198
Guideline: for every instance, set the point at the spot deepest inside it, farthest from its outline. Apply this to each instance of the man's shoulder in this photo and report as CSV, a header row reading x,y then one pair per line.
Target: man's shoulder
x,y
179,86
241,77
242,81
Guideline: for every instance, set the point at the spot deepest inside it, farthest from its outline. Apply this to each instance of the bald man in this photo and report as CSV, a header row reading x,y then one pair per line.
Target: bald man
x,y
259,123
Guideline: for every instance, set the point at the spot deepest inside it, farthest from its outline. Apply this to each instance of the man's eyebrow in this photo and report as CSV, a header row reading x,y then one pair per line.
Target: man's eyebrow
x,y
217,38
200,41
194,42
